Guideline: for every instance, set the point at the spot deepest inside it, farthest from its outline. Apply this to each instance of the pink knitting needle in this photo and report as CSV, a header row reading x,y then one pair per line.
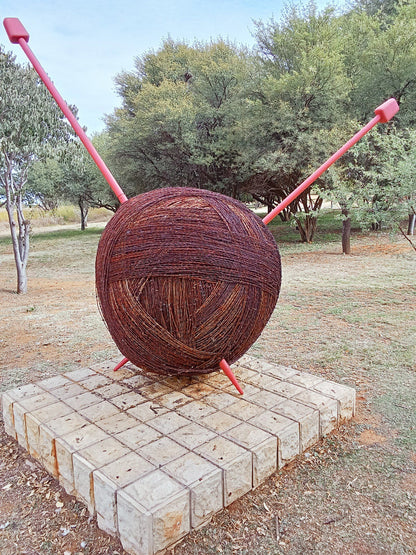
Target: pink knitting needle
x,y
18,35
384,113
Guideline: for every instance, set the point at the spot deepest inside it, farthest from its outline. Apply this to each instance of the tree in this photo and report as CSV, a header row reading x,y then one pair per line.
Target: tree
x,y
44,184
380,58
30,126
74,178
376,182
176,124
299,97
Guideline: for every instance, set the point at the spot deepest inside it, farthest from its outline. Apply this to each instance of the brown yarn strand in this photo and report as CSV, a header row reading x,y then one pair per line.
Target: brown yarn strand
x,y
186,277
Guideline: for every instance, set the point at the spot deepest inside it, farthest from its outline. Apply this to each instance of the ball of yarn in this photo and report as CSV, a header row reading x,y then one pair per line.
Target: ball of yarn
x,y
186,277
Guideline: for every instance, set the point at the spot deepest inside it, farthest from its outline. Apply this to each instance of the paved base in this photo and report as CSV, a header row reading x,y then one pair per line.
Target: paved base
x,y
155,457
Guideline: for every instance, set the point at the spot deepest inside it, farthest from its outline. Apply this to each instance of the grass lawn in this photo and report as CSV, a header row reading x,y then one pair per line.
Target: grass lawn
x,y
346,318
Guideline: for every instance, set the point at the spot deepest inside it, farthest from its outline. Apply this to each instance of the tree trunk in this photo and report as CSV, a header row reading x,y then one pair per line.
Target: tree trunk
x,y
308,225
83,207
411,224
20,237
307,228
346,232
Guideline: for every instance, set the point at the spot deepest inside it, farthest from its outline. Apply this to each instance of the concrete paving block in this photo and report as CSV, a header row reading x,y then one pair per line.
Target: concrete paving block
x,y
155,390
195,410
120,375
217,380
107,366
219,422
221,399
47,450
8,417
243,373
134,524
279,372
173,400
117,423
50,430
235,462
99,411
307,417
80,374
91,458
162,451
286,430
52,383
84,399
192,435
68,390
266,399
36,418
285,389
147,411
138,436
153,513
25,391
258,379
244,410
246,359
328,409
343,394
94,382
111,477
72,442
112,390
104,492
21,408
177,383
128,400
249,390
198,390
257,364
304,379
168,422
263,447
137,381
204,480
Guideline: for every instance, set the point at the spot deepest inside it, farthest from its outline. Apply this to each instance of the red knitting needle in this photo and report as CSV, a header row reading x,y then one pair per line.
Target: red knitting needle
x,y
384,113
18,35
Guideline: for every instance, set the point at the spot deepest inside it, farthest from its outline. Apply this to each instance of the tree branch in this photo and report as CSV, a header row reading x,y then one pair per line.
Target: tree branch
x,y
407,238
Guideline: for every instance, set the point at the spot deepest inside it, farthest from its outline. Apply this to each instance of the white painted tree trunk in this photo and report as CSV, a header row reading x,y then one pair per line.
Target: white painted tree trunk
x,y
20,231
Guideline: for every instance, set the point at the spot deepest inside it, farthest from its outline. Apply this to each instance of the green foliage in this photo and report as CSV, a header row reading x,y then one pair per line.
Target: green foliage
x,y
180,108
381,59
376,181
72,178
30,123
30,126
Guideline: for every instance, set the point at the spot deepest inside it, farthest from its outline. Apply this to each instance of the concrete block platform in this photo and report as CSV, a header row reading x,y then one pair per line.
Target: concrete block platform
x,y
154,457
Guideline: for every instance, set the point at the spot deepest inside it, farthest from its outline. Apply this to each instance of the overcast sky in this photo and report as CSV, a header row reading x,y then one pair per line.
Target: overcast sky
x,y
83,44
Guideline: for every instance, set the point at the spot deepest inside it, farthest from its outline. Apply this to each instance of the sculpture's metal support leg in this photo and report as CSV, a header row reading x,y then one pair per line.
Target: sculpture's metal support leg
x,y
121,364
225,367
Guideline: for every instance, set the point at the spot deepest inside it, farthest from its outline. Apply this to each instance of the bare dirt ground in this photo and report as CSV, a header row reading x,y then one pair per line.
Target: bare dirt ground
x,y
350,319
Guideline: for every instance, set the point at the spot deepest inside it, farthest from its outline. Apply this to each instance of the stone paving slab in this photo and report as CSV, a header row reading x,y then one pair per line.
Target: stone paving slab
x,y
154,457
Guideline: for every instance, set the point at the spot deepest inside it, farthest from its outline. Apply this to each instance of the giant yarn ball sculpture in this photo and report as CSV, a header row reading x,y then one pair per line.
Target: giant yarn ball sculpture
x,y
186,277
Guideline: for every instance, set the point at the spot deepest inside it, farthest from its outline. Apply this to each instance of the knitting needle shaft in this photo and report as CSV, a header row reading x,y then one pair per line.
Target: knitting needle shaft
x,y
18,35
383,114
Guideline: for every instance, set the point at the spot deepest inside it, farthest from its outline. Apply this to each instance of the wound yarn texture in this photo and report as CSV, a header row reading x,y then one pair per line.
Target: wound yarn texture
x,y
186,277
